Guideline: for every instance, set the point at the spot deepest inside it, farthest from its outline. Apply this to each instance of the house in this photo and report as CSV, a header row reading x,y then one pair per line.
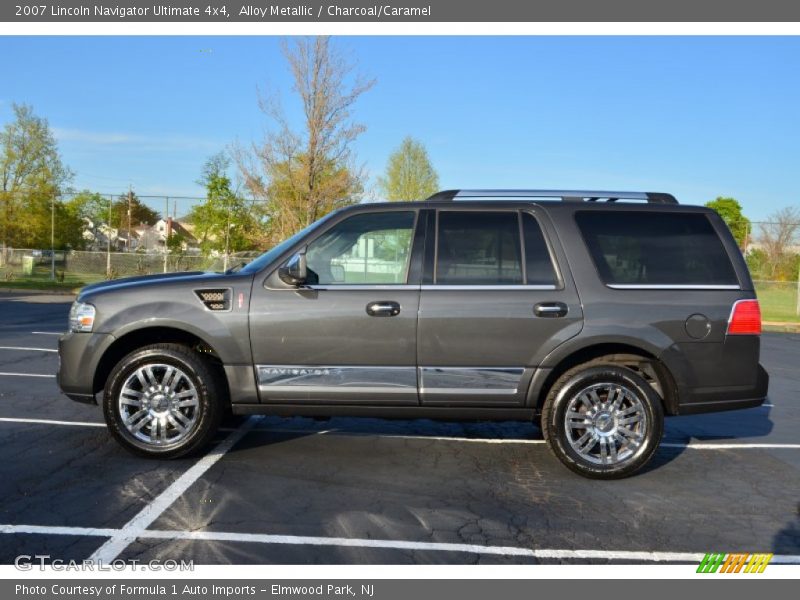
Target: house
x,y
153,238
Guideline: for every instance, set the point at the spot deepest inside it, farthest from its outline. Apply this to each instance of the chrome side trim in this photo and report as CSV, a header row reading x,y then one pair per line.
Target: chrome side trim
x,y
434,287
301,378
352,287
469,391
470,380
658,286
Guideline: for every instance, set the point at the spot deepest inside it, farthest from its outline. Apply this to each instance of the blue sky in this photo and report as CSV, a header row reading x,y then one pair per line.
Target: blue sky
x,y
695,116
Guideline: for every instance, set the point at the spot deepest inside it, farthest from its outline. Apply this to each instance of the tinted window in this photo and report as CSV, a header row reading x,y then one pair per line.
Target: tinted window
x,y
655,248
538,264
478,248
364,249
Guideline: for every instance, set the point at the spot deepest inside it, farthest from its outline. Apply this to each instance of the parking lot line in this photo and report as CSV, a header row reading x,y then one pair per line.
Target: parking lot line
x,y
47,332
24,349
55,530
649,556
689,445
297,540
728,446
50,422
139,523
25,375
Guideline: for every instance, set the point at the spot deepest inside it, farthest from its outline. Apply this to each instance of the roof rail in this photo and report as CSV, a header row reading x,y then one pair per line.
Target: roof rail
x,y
564,195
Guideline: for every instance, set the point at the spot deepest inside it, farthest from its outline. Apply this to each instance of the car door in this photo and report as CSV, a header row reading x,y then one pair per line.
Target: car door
x,y
349,335
493,303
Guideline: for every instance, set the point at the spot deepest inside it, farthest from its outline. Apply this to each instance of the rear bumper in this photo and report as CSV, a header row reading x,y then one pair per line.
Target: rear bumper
x,y
78,358
716,399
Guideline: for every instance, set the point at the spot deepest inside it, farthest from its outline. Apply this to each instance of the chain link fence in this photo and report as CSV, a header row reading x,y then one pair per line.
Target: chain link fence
x,y
79,267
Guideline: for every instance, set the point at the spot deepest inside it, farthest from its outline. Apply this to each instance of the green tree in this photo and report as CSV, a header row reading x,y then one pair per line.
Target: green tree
x,y
409,173
225,221
175,243
140,212
31,177
71,216
287,208
301,175
731,212
89,205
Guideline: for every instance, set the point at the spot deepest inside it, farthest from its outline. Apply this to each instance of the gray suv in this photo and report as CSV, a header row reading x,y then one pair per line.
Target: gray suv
x,y
591,313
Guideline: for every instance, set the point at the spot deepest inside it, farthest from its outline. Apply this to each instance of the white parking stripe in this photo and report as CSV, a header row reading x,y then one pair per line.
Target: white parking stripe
x,y
47,332
24,349
25,375
734,446
51,422
139,523
443,547
51,530
257,538
689,445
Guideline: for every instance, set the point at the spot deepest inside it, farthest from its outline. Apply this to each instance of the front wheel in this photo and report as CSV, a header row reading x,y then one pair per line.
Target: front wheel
x,y
163,401
603,421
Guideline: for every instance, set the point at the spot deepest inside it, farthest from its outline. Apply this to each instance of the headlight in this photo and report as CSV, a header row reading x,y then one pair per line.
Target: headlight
x,y
81,317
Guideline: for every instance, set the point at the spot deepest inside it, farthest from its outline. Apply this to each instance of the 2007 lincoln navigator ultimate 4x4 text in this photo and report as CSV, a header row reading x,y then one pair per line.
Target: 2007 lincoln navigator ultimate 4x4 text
x,y
596,313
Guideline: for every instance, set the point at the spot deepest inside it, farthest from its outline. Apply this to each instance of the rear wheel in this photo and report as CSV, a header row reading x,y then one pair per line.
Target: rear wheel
x,y
603,421
163,401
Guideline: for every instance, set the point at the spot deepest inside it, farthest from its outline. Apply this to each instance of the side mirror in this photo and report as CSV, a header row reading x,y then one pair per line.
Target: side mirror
x,y
295,272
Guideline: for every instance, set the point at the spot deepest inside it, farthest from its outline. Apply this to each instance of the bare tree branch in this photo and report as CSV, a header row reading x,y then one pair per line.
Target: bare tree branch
x,y
778,235
299,175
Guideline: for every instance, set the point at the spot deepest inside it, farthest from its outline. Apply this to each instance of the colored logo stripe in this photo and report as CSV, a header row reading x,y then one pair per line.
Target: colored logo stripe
x,y
758,563
734,563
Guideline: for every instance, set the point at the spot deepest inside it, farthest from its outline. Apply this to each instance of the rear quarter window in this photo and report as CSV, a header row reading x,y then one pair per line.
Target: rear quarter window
x,y
655,248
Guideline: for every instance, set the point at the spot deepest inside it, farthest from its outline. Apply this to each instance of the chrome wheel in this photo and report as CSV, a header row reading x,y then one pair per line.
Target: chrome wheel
x,y
159,404
606,424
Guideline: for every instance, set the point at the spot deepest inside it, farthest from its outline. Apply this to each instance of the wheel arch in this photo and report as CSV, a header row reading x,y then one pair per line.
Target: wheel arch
x,y
641,360
145,336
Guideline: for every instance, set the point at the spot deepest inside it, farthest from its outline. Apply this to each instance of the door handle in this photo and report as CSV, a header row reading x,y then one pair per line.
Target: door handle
x,y
383,308
550,309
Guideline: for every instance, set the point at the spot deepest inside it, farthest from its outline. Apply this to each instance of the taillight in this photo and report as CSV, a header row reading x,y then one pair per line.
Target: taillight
x,y
745,318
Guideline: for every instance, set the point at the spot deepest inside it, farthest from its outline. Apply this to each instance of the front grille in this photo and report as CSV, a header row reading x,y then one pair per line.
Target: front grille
x,y
216,299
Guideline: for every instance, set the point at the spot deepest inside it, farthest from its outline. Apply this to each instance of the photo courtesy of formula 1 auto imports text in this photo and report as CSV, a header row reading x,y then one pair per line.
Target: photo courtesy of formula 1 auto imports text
x,y
327,300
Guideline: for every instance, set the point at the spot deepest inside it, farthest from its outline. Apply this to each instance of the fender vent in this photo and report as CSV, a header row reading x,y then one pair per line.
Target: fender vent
x,y
219,299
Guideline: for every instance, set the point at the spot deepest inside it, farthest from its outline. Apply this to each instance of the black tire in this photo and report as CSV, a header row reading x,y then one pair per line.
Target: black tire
x,y
575,390
205,415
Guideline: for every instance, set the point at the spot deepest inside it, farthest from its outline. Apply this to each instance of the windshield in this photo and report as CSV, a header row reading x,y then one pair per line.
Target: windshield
x,y
273,253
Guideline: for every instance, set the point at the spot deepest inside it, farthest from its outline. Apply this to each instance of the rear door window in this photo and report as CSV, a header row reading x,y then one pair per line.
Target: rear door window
x,y
479,248
487,248
655,248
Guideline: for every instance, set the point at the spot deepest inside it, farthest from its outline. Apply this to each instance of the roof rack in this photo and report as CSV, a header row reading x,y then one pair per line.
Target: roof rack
x,y
564,195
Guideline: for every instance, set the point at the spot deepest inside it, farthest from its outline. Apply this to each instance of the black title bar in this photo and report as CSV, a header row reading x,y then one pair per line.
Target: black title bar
x,y
265,11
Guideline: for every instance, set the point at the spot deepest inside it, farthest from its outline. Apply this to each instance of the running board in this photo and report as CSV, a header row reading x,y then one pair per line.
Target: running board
x,y
456,413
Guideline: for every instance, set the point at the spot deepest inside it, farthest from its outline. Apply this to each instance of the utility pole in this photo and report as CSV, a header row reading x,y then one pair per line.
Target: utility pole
x,y
797,309
166,232
227,237
746,238
53,238
108,238
130,201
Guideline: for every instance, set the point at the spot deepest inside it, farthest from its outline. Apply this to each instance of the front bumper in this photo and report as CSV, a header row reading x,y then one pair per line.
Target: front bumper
x,y
79,356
